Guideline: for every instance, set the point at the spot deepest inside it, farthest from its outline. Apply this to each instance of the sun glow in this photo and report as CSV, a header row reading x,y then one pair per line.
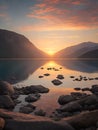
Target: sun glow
x,y
50,52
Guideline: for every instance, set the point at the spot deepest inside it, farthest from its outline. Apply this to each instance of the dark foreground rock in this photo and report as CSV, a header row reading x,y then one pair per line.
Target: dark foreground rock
x,y
32,97
2,123
6,102
19,121
6,88
84,120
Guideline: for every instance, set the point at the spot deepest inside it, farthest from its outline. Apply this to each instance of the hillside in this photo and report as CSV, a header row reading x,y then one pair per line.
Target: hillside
x,y
13,45
76,50
90,54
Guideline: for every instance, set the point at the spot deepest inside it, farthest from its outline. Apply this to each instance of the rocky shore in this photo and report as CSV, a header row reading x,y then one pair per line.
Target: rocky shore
x,y
77,111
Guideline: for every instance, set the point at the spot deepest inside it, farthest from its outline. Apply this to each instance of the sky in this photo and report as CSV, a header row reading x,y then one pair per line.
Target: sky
x,y
51,25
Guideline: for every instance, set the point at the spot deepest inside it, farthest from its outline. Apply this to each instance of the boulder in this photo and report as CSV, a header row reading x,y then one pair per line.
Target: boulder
x,y
56,82
94,89
40,112
32,97
71,107
34,89
20,121
27,109
6,102
6,88
84,120
78,95
2,123
63,99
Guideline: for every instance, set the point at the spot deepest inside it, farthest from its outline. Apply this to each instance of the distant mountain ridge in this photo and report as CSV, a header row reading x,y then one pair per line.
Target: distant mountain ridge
x,y
14,45
77,51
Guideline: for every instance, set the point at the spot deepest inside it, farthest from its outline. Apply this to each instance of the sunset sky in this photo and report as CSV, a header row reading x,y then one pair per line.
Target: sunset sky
x,y
51,24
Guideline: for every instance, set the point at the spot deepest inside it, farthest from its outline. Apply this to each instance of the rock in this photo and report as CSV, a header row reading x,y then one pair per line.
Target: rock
x,y
2,123
35,89
6,102
96,78
78,95
72,76
91,128
22,121
46,74
71,107
27,109
56,82
94,89
85,89
89,100
6,88
63,99
77,89
60,77
40,112
32,97
41,76
84,120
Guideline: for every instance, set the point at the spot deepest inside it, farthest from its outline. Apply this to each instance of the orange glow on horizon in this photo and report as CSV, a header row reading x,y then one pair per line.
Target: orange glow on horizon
x,y
50,52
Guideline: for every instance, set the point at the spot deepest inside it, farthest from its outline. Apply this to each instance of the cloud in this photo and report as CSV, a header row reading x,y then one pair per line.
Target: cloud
x,y
63,15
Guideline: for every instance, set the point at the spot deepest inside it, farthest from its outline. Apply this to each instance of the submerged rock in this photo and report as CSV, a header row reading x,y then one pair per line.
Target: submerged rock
x,y
56,82
6,88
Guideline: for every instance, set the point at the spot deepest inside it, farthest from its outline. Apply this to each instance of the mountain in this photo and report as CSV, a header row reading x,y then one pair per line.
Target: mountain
x,y
90,54
76,50
14,45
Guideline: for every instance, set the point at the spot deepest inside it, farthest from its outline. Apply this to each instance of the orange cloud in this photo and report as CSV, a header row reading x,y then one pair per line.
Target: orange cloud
x,y
63,15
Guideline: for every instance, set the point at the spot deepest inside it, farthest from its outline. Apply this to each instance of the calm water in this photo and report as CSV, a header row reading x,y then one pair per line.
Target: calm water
x,y
26,72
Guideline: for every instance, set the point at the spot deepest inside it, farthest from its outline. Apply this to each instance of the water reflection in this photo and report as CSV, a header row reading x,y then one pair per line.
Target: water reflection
x,y
15,71
89,66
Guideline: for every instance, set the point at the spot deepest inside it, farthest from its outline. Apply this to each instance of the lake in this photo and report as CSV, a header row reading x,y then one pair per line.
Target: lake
x,y
22,73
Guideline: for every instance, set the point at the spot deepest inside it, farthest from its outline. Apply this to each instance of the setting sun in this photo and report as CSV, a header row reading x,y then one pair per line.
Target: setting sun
x,y
50,52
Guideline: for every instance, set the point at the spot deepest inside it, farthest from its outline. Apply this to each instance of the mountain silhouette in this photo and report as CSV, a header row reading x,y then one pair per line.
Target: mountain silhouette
x,y
78,50
14,45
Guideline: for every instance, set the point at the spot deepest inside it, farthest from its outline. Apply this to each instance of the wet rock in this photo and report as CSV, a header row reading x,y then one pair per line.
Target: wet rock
x,y
41,76
33,89
89,100
84,120
29,108
85,89
94,89
96,78
40,112
56,82
2,123
60,77
6,102
63,99
77,89
46,74
30,122
72,76
78,95
32,97
6,88
71,107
